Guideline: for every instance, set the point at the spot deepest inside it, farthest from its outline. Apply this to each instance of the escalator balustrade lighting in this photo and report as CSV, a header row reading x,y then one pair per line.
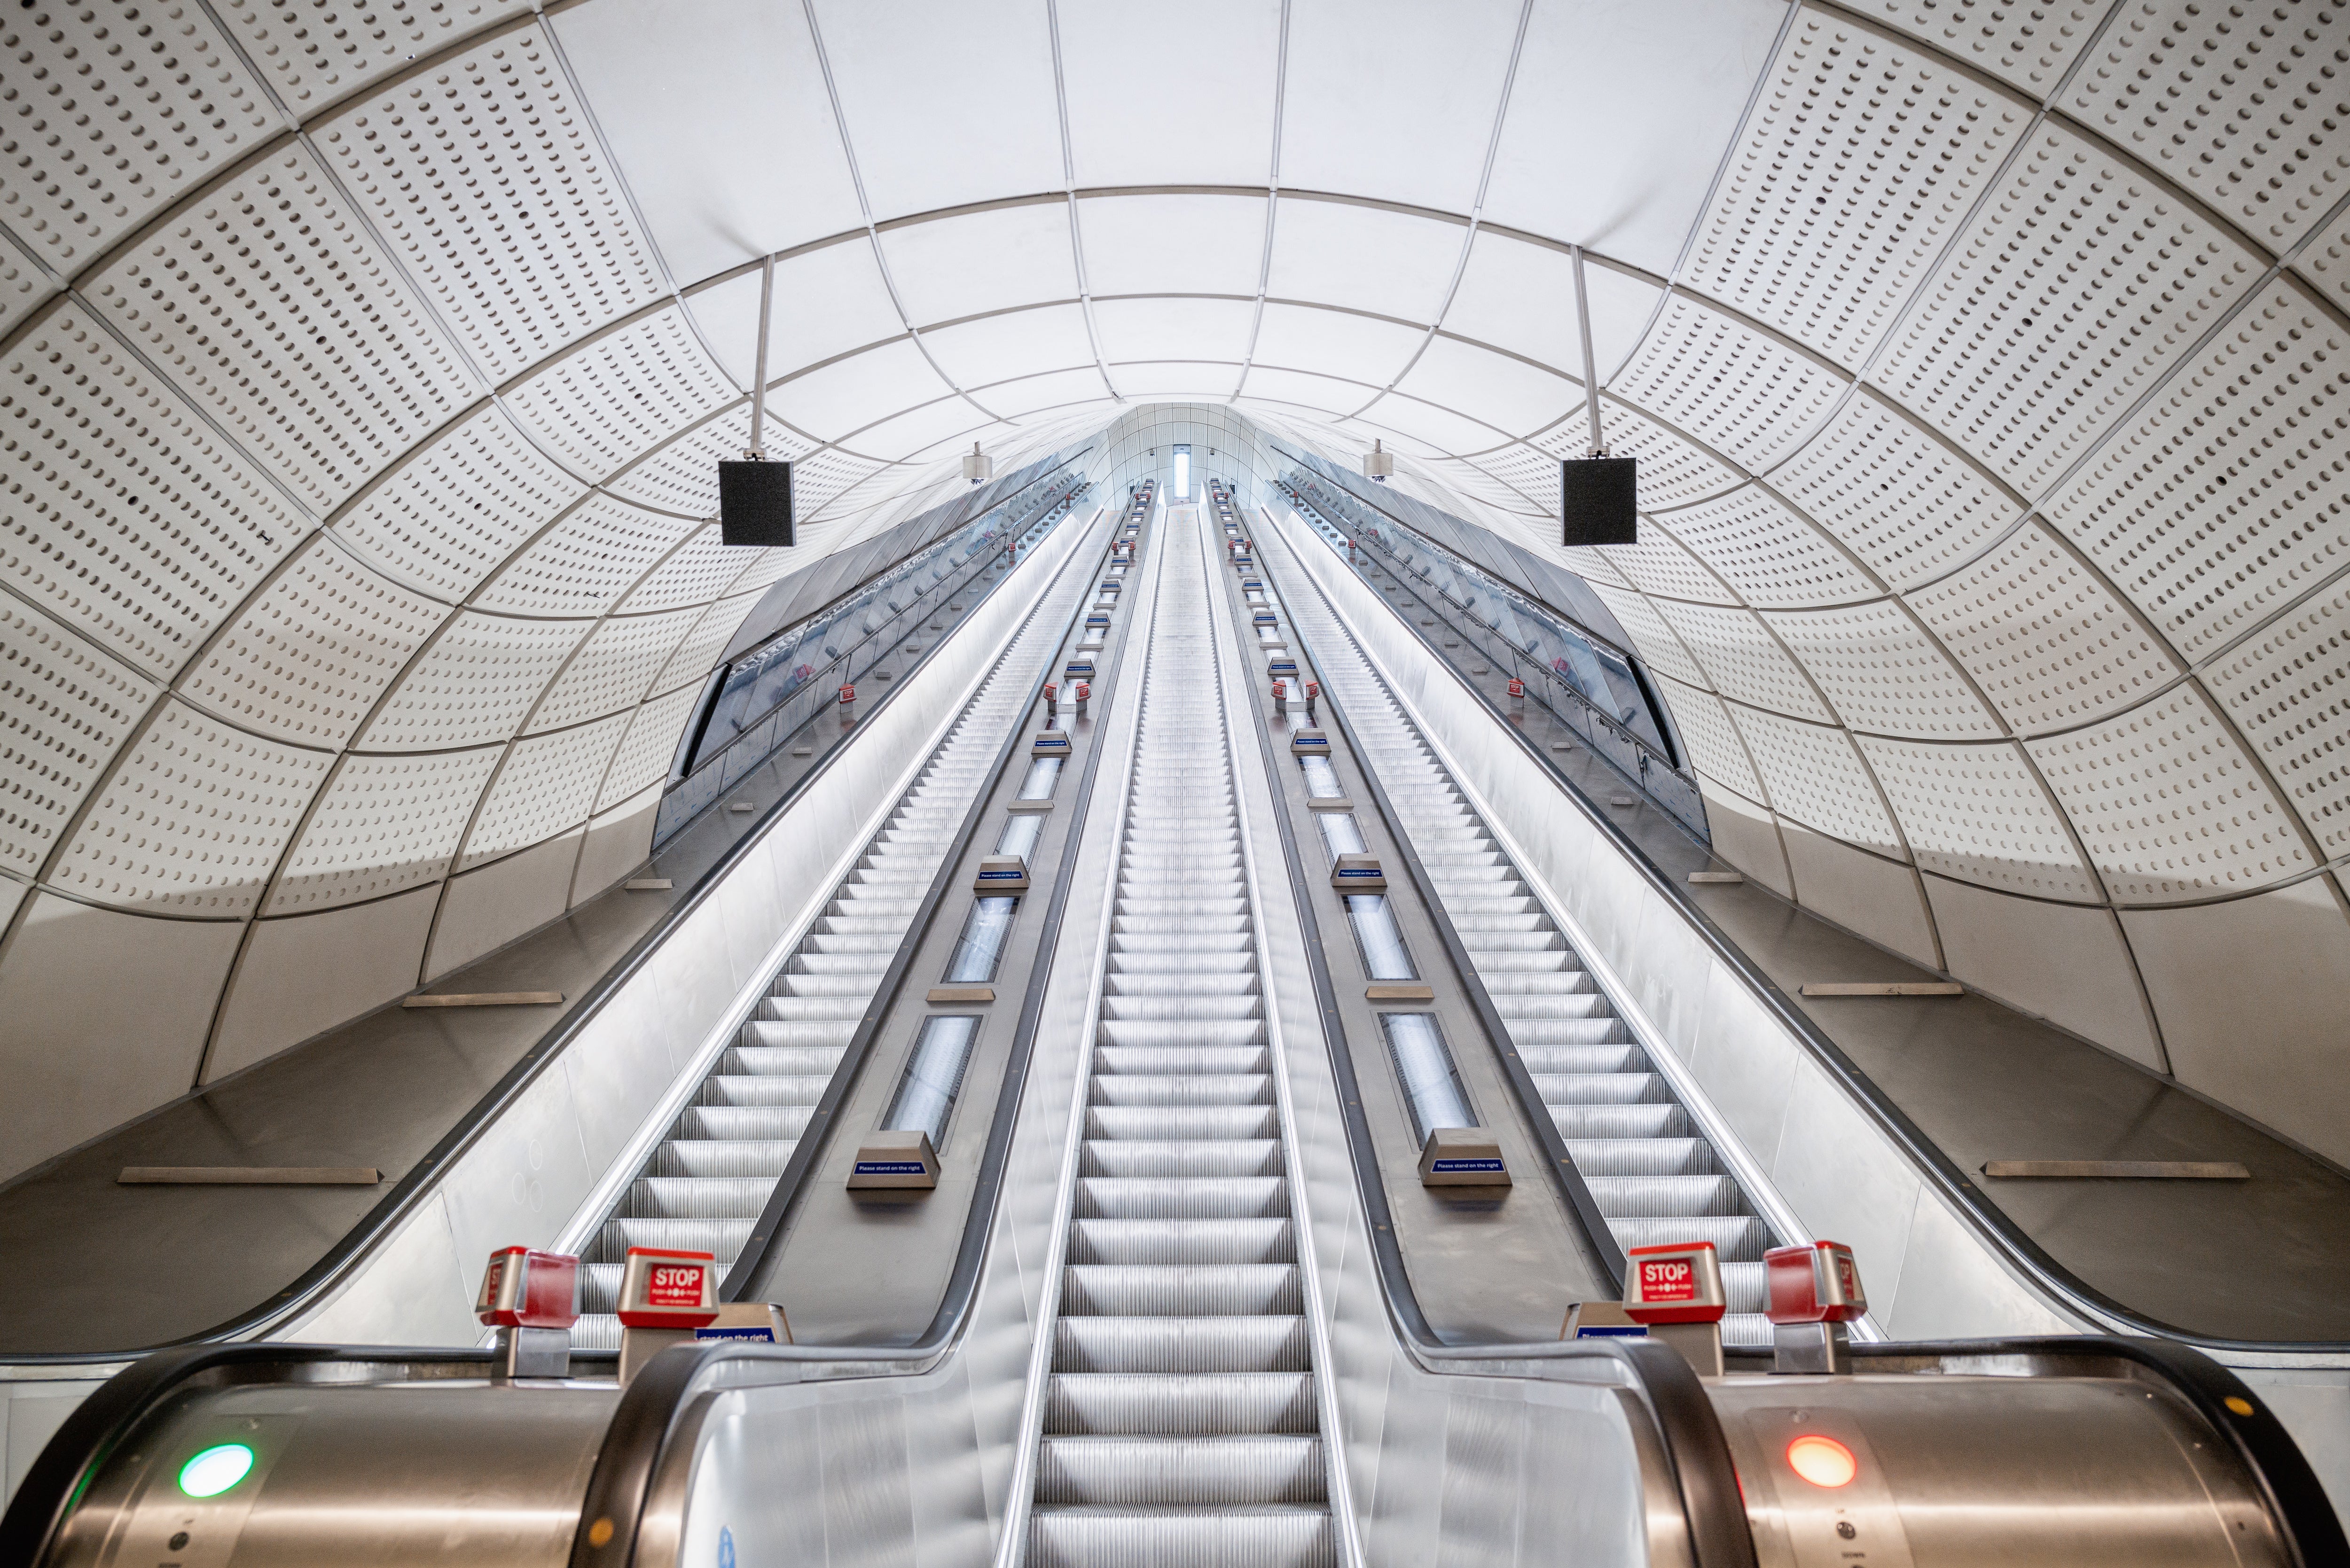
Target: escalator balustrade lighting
x,y
1424,1066
933,1076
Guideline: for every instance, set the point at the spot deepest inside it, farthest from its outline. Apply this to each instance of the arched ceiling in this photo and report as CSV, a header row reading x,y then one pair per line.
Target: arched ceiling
x,y
364,368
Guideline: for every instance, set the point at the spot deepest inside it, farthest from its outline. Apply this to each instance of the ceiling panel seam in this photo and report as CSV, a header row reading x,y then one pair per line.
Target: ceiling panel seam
x,y
1272,198
1476,207
865,206
1069,180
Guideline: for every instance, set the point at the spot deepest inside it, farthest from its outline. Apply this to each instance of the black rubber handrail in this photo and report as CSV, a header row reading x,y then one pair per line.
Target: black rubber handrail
x,y
1566,1177
377,1225
776,1214
1989,1223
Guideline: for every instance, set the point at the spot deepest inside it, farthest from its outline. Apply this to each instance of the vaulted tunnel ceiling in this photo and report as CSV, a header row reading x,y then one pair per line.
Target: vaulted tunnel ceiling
x,y
365,369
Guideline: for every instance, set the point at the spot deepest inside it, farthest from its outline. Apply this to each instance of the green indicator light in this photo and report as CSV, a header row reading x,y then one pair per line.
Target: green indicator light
x,y
215,1469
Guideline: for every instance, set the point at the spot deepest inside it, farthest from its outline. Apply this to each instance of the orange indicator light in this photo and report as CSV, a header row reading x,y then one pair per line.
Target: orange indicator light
x,y
1823,1461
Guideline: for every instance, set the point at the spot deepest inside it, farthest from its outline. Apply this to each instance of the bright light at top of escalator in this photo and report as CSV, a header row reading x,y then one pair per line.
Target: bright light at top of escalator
x,y
1823,1461
1182,473
215,1469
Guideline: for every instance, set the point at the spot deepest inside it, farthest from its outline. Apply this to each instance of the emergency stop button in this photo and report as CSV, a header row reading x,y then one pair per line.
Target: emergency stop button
x,y
1674,1291
661,1288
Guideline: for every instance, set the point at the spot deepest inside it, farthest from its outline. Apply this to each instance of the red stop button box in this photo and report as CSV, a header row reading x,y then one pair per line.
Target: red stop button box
x,y
1678,1283
660,1288
524,1289
1815,1283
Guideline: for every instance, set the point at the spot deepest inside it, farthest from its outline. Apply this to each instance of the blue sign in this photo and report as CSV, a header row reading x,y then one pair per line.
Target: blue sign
x,y
891,1168
1449,1165
725,1547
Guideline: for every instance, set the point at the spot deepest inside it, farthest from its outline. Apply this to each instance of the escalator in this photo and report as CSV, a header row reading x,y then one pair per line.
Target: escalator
x,y
1180,1422
1181,1324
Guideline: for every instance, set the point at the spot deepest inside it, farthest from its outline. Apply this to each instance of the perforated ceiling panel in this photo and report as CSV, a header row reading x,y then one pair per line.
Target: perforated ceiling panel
x,y
275,313
1985,365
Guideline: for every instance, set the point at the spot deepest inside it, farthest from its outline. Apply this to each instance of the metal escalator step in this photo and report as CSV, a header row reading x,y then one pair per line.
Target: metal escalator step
x,y
1201,981
1182,1241
1595,1057
1736,1238
1641,1156
695,1198
1180,1032
1167,1123
744,1124
1188,1157
762,1060
1261,1537
1221,1472
723,1237
1268,1343
1181,1089
1664,1197
1177,1404
1621,1121
1166,1059
764,1089
1124,1290
1197,1008
1161,1198
1562,1089
722,1156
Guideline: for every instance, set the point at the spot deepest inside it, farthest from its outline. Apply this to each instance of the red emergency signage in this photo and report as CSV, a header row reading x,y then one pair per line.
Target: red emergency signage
x,y
662,1288
522,1289
848,693
1681,1283
1816,1283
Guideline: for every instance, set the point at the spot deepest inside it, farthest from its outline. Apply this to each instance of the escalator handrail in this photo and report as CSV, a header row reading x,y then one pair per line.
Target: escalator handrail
x,y
1999,1232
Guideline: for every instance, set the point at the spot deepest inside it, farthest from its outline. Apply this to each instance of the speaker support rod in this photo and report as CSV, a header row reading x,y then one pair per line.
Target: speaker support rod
x,y
759,376
1590,368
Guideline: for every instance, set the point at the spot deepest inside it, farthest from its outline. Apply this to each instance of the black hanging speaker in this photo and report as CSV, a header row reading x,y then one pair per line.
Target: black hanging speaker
x,y
1598,501
755,502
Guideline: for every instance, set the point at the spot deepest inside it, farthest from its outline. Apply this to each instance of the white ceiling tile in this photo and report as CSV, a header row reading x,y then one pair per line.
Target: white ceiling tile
x,y
115,108
948,268
950,418
717,112
484,175
1367,258
1394,99
1030,393
834,399
1318,394
1173,243
1619,118
946,101
1166,329
1521,296
1018,343
1441,429
1335,343
1132,121
827,301
1494,388
1163,380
